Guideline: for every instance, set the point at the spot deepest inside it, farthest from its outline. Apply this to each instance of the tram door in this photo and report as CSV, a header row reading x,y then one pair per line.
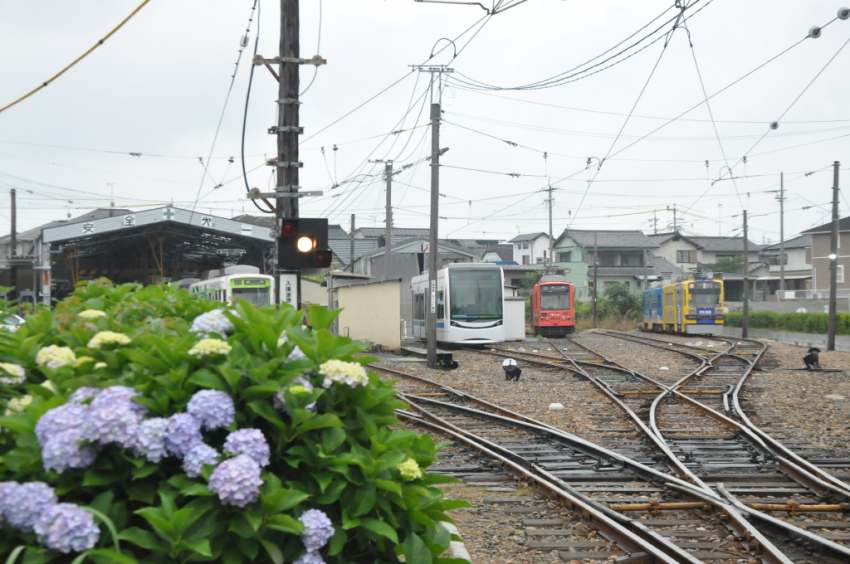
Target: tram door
x,y
679,307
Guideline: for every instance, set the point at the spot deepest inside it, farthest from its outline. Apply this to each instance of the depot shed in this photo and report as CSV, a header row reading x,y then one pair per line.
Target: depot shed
x,y
371,312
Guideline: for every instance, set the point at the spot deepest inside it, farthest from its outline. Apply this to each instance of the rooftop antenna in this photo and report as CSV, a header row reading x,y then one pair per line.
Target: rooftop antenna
x,y
111,198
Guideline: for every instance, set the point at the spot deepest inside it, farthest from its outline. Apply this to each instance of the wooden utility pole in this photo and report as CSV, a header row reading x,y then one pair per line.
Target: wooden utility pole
x,y
13,250
595,274
433,247
388,245
351,253
745,323
833,262
287,126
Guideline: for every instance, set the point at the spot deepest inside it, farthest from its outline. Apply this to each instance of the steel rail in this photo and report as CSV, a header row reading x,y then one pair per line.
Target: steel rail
x,y
526,468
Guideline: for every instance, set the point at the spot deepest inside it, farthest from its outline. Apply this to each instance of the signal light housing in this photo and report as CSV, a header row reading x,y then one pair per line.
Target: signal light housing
x,y
303,244
289,228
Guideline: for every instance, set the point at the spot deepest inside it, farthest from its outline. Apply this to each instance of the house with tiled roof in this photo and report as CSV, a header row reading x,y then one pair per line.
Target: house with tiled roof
x,y
531,248
620,257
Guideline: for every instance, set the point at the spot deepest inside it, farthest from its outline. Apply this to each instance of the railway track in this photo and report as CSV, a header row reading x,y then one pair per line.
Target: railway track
x,y
601,487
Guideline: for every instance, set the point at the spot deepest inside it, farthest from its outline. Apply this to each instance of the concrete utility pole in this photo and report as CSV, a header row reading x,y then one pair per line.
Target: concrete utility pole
x,y
550,201
287,125
433,247
351,254
782,233
388,246
595,273
833,262
745,323
645,281
13,250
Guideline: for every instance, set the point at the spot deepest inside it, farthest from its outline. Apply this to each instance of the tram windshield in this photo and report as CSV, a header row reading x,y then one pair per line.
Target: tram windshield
x,y
555,298
704,294
475,294
257,296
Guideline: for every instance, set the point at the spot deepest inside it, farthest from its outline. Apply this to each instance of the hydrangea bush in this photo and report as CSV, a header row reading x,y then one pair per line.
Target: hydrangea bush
x,y
146,425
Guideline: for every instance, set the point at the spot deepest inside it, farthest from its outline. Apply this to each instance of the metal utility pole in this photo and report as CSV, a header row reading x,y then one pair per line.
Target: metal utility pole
x,y
433,247
13,250
745,323
833,262
351,253
782,233
287,126
595,273
388,246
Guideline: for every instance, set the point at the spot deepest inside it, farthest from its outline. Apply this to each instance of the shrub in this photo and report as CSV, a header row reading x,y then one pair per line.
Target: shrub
x,y
529,279
622,301
796,322
286,440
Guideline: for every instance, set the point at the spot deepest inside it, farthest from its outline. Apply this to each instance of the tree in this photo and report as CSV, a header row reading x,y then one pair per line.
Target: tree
x,y
621,300
729,265
529,279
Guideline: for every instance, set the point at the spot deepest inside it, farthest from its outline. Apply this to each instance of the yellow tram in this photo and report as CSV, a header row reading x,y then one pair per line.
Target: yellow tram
x,y
693,307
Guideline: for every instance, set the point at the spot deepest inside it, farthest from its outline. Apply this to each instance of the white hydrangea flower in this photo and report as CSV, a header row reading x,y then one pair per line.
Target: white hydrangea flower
x,y
55,357
409,469
17,405
349,373
92,314
108,338
16,374
208,347
100,365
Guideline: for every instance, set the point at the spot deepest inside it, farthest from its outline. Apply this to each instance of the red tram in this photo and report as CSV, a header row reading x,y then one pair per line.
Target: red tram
x,y
553,307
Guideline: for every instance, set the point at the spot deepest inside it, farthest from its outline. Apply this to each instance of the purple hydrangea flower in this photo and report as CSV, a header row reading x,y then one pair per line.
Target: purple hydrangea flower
x,y
65,527
82,394
318,529
114,422
121,394
60,419
198,455
184,432
212,322
25,503
63,451
150,439
212,408
310,558
6,489
250,442
236,481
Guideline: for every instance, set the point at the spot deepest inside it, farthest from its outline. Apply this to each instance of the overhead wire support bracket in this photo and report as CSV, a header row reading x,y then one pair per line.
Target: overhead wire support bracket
x,y
317,60
255,193
275,129
285,164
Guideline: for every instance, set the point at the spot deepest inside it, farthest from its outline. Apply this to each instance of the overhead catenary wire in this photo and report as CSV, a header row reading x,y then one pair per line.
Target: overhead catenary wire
x,y
77,60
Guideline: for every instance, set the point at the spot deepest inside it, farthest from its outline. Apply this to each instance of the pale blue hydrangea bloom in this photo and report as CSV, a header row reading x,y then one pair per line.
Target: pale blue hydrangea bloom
x,y
318,529
184,432
63,450
82,394
62,418
65,527
25,503
296,354
250,442
280,400
6,489
214,409
236,481
198,455
212,322
114,422
310,558
120,394
150,440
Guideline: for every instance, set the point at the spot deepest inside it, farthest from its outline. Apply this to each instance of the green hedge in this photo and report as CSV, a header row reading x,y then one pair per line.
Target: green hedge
x,y
799,322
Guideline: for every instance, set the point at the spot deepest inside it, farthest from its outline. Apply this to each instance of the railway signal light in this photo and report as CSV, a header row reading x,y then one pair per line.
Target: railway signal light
x,y
304,244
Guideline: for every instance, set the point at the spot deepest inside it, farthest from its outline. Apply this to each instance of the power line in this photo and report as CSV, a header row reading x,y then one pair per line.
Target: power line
x,y
77,60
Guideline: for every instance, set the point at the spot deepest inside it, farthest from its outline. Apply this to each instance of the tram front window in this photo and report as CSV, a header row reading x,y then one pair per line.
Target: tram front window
x,y
475,294
256,296
554,298
704,294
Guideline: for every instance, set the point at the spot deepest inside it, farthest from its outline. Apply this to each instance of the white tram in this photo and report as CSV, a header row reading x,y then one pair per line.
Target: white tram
x,y
470,304
239,282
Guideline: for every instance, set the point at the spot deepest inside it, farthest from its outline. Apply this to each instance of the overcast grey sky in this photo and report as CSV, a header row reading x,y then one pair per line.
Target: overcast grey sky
x,y
158,86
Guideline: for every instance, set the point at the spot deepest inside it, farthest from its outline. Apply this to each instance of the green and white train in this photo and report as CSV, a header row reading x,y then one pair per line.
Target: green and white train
x,y
239,282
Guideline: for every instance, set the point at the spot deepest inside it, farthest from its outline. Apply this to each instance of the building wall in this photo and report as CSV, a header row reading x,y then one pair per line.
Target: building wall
x,y
371,313
820,261
796,260
534,251
710,257
669,248
312,292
